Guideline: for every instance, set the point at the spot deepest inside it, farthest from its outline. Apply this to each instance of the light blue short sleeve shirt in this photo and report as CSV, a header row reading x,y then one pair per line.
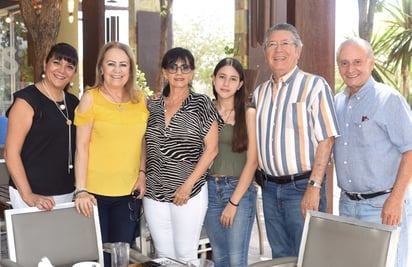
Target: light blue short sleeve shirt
x,y
376,128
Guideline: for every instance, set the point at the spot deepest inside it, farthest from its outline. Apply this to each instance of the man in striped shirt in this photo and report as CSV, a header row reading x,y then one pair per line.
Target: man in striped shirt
x,y
296,129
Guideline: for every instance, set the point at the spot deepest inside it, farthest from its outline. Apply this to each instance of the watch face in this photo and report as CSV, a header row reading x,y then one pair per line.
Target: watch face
x,y
314,184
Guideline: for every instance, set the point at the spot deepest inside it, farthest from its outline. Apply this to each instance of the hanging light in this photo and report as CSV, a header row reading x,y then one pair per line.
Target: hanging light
x,y
70,8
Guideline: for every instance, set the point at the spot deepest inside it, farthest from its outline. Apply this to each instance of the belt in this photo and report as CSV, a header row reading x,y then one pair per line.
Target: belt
x,y
359,196
288,178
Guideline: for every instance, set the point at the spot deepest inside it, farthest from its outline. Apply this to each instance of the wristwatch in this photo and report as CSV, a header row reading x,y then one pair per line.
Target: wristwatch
x,y
314,184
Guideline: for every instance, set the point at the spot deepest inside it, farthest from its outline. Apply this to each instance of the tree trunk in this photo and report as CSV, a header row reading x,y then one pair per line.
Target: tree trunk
x,y
165,17
43,26
366,16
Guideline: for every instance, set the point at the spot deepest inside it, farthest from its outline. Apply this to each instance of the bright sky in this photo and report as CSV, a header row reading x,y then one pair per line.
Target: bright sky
x,y
346,21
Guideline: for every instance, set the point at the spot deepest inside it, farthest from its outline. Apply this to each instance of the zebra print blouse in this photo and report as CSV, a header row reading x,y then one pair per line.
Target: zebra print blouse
x,y
172,152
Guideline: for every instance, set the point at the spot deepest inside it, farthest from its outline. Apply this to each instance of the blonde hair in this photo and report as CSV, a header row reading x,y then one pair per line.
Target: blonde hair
x,y
130,85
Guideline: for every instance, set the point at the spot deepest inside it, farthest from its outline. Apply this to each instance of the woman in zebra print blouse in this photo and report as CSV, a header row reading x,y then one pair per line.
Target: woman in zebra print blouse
x,y
181,143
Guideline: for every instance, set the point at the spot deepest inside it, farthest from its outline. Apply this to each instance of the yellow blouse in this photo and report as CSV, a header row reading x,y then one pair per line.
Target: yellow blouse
x,y
115,143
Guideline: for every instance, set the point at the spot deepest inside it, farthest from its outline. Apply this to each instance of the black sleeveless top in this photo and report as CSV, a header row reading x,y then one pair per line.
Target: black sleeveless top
x,y
45,149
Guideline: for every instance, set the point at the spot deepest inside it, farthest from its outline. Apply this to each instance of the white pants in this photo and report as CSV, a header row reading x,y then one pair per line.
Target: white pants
x,y
175,230
17,202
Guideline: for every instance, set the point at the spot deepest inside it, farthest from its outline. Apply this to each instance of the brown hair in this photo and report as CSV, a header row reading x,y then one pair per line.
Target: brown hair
x,y
240,136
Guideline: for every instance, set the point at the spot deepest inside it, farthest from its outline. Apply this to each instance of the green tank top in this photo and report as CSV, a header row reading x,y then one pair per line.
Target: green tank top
x,y
227,162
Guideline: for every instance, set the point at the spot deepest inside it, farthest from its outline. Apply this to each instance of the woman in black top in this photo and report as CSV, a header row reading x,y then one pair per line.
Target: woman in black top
x,y
40,138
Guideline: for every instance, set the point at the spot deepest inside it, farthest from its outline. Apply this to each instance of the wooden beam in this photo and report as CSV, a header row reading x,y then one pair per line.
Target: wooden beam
x,y
93,37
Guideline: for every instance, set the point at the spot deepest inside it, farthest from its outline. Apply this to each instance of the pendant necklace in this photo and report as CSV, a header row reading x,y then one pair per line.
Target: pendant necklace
x,y
62,107
119,104
225,118
228,115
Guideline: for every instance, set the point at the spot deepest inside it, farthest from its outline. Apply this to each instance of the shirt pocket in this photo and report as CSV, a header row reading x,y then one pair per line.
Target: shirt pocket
x,y
365,133
296,116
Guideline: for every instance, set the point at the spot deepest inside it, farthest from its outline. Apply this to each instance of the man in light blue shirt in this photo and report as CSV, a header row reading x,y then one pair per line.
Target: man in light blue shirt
x,y
373,155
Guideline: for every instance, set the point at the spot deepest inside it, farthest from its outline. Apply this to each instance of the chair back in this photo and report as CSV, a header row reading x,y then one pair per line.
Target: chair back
x,y
338,241
62,234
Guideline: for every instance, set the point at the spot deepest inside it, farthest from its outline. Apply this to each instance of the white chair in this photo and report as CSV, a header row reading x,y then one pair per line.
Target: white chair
x,y
330,240
62,234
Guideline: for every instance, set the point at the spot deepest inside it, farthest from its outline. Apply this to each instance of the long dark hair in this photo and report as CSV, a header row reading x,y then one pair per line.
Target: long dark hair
x,y
171,57
240,136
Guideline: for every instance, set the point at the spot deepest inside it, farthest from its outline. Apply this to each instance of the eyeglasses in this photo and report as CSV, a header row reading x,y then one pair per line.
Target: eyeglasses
x,y
282,44
172,69
135,213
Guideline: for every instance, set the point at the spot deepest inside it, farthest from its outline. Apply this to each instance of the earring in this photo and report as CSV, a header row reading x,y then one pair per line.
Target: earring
x,y
71,84
43,76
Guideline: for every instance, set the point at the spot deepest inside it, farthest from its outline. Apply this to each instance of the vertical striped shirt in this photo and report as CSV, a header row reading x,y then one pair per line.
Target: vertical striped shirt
x,y
293,116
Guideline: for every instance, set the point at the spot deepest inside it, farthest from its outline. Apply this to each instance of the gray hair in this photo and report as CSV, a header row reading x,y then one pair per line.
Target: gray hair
x,y
283,27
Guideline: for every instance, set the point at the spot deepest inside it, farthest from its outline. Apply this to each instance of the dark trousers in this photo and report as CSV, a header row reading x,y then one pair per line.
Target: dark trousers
x,y
116,224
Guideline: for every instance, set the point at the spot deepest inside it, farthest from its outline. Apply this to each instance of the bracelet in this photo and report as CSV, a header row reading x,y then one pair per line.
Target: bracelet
x,y
142,171
233,204
80,190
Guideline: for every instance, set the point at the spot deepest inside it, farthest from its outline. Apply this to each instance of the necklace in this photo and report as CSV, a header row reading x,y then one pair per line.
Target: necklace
x,y
223,116
119,104
68,122
228,115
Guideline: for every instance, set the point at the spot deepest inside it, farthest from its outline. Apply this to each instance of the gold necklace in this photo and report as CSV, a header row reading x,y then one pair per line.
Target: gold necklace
x,y
119,104
68,122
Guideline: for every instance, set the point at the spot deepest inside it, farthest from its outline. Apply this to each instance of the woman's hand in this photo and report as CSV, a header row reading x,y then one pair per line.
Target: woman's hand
x,y
182,194
39,201
84,203
228,215
140,186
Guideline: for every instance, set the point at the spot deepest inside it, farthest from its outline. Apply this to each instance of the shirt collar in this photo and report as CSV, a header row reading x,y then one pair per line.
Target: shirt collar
x,y
367,87
285,77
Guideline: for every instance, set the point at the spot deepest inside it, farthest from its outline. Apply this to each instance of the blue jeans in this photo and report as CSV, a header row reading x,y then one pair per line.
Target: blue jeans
x,y
115,220
371,210
283,217
230,246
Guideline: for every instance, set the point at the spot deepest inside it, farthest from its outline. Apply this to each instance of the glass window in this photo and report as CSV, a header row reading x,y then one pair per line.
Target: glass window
x,y
15,72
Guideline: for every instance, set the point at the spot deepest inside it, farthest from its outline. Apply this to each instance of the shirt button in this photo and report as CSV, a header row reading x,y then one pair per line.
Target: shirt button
x,y
349,107
360,126
345,162
349,181
345,143
347,124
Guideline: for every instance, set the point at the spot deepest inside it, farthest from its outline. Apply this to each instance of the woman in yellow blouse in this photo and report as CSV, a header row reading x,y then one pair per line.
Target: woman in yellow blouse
x,y
111,122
